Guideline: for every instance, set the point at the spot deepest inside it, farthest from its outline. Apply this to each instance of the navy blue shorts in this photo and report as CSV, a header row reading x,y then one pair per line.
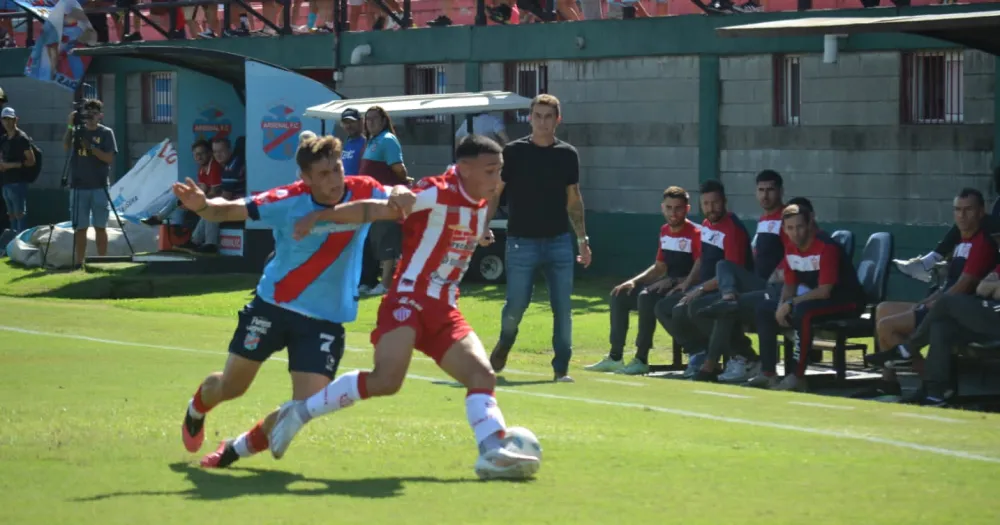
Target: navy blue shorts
x,y
919,313
314,346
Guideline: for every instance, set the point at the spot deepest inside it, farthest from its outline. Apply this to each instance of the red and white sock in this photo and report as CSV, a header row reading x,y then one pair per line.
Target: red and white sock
x,y
484,416
341,393
197,408
252,442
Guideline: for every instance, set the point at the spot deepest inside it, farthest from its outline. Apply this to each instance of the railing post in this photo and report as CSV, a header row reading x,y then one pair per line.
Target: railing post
x,y
407,21
286,9
480,12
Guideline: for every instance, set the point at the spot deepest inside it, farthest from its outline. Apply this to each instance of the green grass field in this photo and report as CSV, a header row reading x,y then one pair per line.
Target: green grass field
x,y
93,391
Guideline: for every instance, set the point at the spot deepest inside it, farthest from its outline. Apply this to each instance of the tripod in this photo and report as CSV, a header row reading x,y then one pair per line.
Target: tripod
x,y
74,209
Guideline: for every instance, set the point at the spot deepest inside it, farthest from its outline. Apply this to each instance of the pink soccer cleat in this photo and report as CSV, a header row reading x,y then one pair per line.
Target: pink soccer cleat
x,y
193,432
223,456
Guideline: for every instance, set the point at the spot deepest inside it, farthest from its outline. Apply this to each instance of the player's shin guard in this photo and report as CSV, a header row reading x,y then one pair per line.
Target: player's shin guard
x,y
485,417
251,442
341,393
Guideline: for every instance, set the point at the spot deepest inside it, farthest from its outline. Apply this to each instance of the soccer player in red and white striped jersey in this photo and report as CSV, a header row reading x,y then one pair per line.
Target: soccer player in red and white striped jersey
x,y
442,226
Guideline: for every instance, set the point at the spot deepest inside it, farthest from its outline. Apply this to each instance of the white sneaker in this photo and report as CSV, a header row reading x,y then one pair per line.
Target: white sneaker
x,y
501,463
739,370
288,424
763,381
378,290
913,268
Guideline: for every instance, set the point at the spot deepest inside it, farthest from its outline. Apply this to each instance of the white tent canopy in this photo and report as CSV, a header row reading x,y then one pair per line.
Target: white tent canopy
x,y
425,105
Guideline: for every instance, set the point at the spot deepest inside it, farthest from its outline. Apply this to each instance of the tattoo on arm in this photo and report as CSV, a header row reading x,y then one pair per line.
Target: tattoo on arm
x,y
576,213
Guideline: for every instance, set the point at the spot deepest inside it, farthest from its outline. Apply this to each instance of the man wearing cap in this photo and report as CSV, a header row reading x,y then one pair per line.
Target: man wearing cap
x,y
16,156
353,149
354,145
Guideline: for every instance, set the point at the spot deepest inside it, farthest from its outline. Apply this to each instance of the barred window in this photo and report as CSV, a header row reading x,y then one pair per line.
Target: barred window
x,y
158,98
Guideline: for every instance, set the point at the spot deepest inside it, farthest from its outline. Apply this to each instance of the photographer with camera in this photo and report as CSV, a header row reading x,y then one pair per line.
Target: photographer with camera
x,y
93,149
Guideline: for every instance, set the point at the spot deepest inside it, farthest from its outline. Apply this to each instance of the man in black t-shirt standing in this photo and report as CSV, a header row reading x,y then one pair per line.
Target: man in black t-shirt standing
x,y
541,175
16,157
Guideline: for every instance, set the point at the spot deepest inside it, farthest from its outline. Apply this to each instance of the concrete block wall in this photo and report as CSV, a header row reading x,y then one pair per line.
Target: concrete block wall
x,y
42,110
849,154
635,124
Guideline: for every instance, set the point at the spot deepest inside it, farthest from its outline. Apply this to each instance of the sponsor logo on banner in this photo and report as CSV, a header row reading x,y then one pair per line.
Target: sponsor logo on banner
x,y
211,123
231,242
39,7
145,189
281,132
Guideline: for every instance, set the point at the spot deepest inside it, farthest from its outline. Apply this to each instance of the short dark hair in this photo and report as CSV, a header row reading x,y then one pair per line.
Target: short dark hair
x,y
770,176
313,148
219,139
712,186
473,145
974,193
793,210
201,143
676,192
801,202
93,104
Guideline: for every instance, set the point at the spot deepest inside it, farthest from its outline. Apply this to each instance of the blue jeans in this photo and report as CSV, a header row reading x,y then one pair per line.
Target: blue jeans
x,y
15,198
555,256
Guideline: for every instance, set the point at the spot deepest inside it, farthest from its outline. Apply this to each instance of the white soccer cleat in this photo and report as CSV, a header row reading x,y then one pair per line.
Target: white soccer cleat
x,y
501,463
913,268
288,424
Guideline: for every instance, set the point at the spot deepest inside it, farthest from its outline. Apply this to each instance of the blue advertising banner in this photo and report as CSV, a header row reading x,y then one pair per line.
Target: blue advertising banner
x,y
211,109
276,100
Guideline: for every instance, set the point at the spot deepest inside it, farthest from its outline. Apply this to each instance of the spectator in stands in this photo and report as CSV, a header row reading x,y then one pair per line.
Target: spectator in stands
x,y
541,175
953,321
820,284
486,125
920,267
211,27
209,180
383,160
6,24
971,260
679,246
92,148
730,309
723,237
16,156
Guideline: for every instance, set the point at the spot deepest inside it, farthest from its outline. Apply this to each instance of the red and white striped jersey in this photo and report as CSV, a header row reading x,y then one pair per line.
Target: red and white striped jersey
x,y
439,237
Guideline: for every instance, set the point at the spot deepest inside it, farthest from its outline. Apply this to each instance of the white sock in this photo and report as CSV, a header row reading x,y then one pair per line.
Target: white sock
x,y
341,393
903,351
931,259
194,413
242,445
484,415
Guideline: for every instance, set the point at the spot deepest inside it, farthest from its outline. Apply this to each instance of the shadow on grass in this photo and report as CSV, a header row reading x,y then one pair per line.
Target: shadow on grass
x,y
590,294
118,283
211,485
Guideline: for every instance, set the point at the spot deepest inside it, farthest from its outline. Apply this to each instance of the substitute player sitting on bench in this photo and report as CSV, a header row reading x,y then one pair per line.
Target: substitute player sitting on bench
x,y
971,260
820,285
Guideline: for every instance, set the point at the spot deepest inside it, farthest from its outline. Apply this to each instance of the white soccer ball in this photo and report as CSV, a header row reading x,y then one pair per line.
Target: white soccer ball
x,y
523,441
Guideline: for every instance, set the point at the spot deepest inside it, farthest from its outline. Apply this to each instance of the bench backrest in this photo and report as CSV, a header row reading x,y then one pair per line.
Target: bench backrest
x,y
873,268
845,238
